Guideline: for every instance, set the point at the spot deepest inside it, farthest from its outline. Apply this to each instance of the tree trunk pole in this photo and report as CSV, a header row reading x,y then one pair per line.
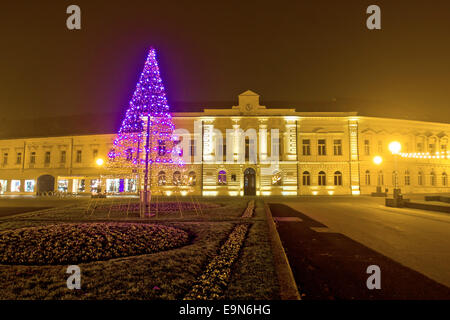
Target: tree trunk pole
x,y
147,151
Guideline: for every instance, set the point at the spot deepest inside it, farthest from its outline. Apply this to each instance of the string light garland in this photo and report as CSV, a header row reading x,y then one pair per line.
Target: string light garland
x,y
132,148
427,155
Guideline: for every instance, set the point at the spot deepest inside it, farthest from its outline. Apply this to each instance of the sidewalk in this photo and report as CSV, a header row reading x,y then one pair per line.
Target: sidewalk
x,y
329,265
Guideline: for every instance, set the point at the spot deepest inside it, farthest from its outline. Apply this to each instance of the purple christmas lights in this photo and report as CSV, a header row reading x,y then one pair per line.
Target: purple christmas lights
x,y
148,106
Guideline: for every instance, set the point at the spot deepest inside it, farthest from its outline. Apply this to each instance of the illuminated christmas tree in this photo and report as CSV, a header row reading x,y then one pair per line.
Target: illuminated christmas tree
x,y
145,139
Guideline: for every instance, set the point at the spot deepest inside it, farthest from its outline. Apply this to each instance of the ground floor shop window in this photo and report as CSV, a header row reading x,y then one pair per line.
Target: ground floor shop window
x,y
3,186
63,185
95,185
15,185
112,185
120,185
81,185
130,185
29,185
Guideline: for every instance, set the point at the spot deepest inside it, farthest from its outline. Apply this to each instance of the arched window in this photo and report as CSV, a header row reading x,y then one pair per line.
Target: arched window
x,y
420,178
192,179
161,178
338,178
407,178
129,154
276,178
432,178
176,178
222,177
444,179
367,177
306,178
380,181
394,178
322,178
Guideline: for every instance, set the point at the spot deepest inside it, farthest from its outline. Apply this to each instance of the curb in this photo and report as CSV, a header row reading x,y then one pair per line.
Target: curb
x,y
288,287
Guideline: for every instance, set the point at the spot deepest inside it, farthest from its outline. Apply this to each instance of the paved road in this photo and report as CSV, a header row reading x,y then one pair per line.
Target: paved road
x,y
417,239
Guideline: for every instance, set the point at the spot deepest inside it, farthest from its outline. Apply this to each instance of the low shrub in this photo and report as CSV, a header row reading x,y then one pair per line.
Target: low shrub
x,y
85,242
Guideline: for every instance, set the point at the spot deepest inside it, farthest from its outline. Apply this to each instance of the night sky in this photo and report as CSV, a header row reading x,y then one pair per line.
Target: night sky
x,y
312,55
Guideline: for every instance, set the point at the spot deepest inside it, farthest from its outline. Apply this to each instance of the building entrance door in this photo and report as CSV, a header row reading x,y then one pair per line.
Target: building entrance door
x,y
249,182
45,183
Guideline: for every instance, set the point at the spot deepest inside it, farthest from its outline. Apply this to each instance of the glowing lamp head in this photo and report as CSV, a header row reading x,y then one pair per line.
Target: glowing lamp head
x,y
99,162
377,160
395,147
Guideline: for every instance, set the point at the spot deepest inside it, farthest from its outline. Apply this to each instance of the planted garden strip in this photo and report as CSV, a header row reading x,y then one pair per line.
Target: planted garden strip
x,y
86,242
161,206
215,278
248,213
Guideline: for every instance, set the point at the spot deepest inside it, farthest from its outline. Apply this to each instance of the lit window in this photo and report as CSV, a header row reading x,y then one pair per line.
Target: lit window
x,y
19,158
380,146
15,185
95,185
47,157
420,178
380,180
321,147
338,147
78,158
161,178
338,178
322,179
176,178
394,178
192,180
63,185
368,177
306,147
29,185
63,156
432,178
222,177
276,178
130,185
129,154
33,157
407,178
306,178
367,147
82,185
419,147
3,186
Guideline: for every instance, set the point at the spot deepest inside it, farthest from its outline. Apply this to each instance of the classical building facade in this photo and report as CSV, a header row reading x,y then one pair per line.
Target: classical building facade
x,y
281,152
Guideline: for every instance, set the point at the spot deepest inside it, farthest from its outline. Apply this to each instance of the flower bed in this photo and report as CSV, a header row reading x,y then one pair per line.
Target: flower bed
x,y
161,206
77,243
215,278
248,213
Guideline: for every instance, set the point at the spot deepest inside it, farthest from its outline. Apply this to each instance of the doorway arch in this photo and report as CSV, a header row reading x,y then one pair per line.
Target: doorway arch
x,y
249,182
45,183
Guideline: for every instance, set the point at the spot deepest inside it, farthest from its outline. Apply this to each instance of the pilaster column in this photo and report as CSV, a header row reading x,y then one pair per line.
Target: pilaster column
x,y
262,139
354,156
